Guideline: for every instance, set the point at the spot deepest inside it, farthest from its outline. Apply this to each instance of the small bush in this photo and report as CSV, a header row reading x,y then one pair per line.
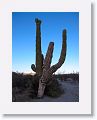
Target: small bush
x,y
30,84
54,89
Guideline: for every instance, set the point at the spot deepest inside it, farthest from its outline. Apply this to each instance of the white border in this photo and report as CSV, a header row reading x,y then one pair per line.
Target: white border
x,y
84,104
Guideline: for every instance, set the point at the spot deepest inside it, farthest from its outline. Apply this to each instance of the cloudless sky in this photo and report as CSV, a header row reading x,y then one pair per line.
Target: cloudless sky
x,y
53,23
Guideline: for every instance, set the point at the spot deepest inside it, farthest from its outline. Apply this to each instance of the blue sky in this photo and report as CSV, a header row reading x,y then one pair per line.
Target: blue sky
x,y
24,37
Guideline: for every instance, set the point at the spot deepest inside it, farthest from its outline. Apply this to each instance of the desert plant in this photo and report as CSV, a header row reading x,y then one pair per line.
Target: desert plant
x,y
43,66
29,84
39,55
53,88
47,70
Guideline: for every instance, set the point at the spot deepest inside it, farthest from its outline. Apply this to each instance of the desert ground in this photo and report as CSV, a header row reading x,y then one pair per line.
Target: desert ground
x,y
69,85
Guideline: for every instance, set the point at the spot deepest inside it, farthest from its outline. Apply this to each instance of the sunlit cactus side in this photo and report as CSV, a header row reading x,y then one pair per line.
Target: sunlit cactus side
x,y
39,56
48,70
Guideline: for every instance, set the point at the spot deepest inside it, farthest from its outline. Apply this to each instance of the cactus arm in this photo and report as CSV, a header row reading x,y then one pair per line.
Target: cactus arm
x,y
38,47
62,55
38,68
48,57
33,67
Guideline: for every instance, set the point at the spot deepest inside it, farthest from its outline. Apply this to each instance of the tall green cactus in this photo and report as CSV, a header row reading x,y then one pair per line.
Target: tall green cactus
x,y
39,55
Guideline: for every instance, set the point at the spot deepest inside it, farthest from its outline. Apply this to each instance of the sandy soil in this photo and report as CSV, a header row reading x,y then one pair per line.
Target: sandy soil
x,y
71,94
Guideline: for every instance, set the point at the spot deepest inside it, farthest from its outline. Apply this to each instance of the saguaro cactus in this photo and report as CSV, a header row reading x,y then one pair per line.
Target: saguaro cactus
x,y
47,70
39,55
43,66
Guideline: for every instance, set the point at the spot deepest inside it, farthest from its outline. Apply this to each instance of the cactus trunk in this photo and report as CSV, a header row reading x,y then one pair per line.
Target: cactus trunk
x,y
46,66
47,70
